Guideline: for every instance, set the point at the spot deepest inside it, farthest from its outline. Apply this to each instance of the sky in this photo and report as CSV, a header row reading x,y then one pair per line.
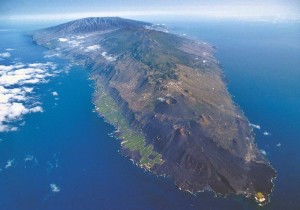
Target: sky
x,y
73,9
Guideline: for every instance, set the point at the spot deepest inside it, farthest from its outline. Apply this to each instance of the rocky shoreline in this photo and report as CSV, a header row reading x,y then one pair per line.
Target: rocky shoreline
x,y
167,96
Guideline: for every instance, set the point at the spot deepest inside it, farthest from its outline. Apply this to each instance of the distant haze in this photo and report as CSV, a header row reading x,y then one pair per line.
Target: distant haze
x,y
73,9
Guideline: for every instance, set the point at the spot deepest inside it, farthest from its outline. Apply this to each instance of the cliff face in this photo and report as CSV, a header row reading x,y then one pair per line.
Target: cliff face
x,y
166,95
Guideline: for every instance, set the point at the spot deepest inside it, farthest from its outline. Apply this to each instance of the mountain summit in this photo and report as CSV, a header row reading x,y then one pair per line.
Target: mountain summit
x,y
94,24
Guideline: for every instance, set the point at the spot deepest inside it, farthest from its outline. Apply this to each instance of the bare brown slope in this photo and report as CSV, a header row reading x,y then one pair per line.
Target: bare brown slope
x,y
171,89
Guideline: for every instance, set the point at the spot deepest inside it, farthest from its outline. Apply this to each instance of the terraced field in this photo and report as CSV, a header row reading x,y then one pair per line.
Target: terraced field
x,y
132,140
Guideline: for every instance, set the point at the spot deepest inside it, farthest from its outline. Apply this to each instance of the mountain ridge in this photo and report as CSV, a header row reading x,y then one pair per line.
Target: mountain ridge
x,y
167,97
94,24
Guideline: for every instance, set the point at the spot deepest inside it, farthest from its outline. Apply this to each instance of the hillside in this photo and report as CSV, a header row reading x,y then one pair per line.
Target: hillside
x,y
166,96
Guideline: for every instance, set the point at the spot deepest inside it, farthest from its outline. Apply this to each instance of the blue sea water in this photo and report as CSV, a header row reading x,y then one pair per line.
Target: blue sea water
x,y
63,158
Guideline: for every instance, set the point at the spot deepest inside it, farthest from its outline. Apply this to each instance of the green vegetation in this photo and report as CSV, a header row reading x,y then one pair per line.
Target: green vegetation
x,y
132,140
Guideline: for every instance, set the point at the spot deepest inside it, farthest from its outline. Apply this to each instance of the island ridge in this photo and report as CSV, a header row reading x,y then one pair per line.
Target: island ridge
x,y
167,98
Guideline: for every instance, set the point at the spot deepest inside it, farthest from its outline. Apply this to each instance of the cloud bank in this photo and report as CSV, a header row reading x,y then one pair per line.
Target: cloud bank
x,y
5,55
17,84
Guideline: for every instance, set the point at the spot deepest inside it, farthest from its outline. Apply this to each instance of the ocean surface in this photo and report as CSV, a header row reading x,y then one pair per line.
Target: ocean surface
x,y
56,152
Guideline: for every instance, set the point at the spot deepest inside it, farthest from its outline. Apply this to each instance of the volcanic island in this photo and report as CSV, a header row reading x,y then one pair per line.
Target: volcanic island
x,y
166,95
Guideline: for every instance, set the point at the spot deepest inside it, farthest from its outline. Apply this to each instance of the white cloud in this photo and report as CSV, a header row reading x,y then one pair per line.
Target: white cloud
x,y
81,37
4,128
7,95
8,80
16,89
15,110
20,74
5,55
54,93
27,89
28,158
108,57
74,43
36,109
92,48
9,163
54,188
254,126
263,152
36,65
18,65
63,39
266,133
52,55
6,68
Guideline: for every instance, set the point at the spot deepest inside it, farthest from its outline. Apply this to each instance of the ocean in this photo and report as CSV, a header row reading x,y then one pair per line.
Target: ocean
x,y
56,151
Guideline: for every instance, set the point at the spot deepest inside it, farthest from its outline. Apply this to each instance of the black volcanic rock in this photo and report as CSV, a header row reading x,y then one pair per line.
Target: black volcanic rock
x,y
169,90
